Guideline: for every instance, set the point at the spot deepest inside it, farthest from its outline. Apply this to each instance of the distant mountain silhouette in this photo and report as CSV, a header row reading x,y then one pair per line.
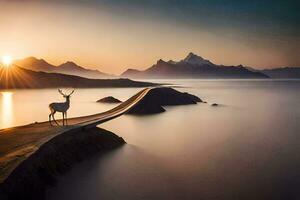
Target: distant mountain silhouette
x,y
193,66
196,60
69,67
284,72
16,77
35,64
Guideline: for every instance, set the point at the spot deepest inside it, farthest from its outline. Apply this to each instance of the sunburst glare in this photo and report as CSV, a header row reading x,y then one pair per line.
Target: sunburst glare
x,y
6,60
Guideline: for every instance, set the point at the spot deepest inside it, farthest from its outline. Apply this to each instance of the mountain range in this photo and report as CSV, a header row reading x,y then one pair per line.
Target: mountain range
x,y
16,77
283,73
193,66
69,67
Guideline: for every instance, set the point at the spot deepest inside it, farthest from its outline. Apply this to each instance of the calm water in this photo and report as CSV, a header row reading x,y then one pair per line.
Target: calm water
x,y
247,148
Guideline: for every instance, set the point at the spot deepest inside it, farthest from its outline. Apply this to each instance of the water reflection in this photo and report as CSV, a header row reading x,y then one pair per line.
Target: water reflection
x,y
7,109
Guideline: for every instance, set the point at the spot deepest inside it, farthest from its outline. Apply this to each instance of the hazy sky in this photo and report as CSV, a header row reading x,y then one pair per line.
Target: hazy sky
x,y
113,35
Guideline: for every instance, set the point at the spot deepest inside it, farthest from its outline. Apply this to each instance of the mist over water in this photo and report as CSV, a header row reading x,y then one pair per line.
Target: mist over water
x,y
246,148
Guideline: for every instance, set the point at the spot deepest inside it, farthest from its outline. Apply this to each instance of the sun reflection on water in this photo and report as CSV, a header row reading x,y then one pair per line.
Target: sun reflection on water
x,y
6,111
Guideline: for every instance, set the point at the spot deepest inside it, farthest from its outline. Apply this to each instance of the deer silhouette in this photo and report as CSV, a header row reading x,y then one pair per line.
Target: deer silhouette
x,y
60,107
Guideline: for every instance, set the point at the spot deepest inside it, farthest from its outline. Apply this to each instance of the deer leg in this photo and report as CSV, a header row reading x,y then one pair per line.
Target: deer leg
x,y
54,118
66,118
50,120
63,114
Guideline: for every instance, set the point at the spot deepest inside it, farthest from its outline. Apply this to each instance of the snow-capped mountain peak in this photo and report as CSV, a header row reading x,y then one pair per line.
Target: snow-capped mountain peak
x,y
196,60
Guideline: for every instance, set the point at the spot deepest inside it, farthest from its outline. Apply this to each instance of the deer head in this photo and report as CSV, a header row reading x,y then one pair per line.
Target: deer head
x,y
67,96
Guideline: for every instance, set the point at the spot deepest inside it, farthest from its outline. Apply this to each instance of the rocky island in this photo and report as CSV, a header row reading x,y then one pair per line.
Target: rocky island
x,y
154,101
109,99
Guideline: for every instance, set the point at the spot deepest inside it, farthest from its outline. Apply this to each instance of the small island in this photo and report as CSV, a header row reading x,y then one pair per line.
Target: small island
x,y
109,99
154,101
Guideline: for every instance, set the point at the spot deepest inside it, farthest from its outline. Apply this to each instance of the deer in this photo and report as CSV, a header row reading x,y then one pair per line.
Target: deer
x,y
60,107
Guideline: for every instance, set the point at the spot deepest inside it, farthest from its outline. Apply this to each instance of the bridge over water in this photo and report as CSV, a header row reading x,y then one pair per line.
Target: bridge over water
x,y
18,143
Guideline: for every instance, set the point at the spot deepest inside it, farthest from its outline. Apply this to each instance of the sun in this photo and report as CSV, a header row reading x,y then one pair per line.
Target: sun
x,y
6,60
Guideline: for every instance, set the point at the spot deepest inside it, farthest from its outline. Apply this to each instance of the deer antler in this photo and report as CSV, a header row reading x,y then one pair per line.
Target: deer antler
x,y
59,90
71,93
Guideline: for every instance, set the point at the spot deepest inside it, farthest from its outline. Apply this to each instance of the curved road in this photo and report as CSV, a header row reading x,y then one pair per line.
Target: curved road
x,y
17,143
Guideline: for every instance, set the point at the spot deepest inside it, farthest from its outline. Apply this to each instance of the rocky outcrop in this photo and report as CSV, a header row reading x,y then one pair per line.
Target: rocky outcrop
x,y
109,99
31,178
154,101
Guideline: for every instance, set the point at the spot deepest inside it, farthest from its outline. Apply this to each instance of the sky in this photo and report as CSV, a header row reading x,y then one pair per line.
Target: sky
x,y
113,35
